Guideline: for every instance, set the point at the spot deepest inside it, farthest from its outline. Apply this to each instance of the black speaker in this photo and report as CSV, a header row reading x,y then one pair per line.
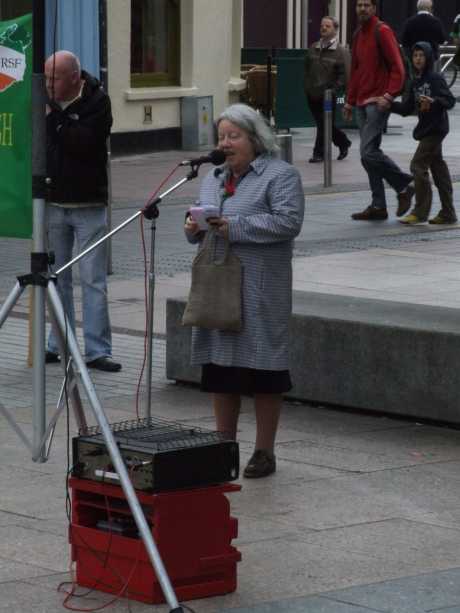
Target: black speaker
x,y
158,455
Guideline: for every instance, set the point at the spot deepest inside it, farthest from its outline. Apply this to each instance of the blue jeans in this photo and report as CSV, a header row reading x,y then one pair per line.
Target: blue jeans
x,y
85,225
378,166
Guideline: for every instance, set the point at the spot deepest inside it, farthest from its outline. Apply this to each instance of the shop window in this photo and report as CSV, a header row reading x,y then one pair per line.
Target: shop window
x,y
155,43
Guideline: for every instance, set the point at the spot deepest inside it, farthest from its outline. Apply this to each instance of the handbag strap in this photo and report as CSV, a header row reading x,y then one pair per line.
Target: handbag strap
x,y
208,248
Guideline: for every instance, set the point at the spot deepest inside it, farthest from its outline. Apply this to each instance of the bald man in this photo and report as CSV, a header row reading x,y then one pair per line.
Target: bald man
x,y
78,124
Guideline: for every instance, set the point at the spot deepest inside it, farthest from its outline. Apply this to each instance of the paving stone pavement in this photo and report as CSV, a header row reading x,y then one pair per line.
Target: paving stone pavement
x,y
363,512
361,516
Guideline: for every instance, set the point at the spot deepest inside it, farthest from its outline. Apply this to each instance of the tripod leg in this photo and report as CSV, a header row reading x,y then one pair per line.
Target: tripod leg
x,y
10,302
39,409
47,439
114,452
39,413
69,373
39,377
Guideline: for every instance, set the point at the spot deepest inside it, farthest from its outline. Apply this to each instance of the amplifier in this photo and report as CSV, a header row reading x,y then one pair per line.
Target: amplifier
x,y
159,455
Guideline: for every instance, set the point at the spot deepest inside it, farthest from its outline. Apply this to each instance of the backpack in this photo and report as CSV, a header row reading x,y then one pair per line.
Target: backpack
x,y
404,58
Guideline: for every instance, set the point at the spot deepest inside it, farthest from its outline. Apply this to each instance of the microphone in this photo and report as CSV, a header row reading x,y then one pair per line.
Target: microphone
x,y
216,157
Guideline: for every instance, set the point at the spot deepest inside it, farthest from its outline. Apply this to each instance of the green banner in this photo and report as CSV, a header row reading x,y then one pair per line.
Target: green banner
x,y
16,127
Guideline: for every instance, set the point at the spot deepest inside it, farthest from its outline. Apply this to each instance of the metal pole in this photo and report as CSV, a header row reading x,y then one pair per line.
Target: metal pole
x,y
10,302
151,312
104,78
103,55
39,222
117,229
192,174
114,452
327,138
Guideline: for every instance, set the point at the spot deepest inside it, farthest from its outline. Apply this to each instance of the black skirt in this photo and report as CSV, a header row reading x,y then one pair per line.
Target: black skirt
x,y
247,381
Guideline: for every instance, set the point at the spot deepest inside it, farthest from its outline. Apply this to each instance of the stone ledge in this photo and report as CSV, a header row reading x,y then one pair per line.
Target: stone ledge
x,y
359,353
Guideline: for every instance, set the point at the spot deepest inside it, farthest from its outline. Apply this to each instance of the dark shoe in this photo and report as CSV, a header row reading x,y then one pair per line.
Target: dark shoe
x,y
106,364
315,159
405,200
261,464
343,152
371,214
439,220
52,358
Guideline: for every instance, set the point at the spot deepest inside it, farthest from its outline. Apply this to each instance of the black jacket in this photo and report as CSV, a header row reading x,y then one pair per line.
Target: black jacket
x,y
423,27
77,146
435,122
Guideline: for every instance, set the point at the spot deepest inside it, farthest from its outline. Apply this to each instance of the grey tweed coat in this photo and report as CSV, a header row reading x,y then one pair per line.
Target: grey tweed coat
x,y
265,214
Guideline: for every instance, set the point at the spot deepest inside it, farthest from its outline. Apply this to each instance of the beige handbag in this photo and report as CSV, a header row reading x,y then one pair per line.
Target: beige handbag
x,y
214,301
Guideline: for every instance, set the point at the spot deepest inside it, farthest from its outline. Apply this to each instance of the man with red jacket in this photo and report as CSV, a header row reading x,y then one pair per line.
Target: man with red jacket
x,y
377,71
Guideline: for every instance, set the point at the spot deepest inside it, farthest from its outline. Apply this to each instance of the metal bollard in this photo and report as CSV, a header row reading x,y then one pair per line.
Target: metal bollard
x,y
284,142
327,138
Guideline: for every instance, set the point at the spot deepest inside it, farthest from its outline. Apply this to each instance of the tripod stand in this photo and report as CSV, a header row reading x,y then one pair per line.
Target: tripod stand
x,y
75,367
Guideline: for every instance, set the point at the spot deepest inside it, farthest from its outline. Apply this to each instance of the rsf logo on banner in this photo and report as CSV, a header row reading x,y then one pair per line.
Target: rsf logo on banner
x,y
13,44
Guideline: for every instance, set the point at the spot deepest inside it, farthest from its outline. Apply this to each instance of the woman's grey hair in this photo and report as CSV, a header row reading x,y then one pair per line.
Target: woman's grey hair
x,y
259,132
425,5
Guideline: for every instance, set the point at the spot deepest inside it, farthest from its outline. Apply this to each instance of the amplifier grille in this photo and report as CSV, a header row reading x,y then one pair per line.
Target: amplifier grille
x,y
156,434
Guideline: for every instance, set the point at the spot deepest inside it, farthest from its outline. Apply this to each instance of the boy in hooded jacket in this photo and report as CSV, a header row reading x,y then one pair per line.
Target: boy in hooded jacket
x,y
430,97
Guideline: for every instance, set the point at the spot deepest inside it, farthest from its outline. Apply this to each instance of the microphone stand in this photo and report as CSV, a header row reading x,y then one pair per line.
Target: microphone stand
x,y
151,212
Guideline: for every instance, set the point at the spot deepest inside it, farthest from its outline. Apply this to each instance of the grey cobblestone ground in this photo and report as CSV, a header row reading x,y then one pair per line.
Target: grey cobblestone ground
x,y
362,515
16,377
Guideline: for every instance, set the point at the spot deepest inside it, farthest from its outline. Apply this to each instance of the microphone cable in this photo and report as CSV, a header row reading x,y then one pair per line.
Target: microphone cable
x,y
150,199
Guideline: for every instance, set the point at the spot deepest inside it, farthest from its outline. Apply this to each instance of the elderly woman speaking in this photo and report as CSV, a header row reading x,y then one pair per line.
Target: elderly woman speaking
x,y
261,205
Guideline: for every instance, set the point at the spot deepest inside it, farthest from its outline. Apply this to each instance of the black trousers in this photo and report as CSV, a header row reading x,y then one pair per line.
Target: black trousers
x,y
339,138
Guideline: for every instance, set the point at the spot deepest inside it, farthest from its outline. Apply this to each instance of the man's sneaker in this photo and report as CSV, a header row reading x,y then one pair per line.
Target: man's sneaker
x,y
405,200
316,159
411,220
371,214
439,220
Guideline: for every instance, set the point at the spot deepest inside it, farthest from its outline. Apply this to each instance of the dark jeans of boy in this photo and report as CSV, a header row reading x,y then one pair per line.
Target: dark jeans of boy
x,y
378,166
339,138
428,156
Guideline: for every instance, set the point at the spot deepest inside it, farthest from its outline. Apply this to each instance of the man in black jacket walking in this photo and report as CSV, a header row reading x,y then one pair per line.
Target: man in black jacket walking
x,y
78,124
423,26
